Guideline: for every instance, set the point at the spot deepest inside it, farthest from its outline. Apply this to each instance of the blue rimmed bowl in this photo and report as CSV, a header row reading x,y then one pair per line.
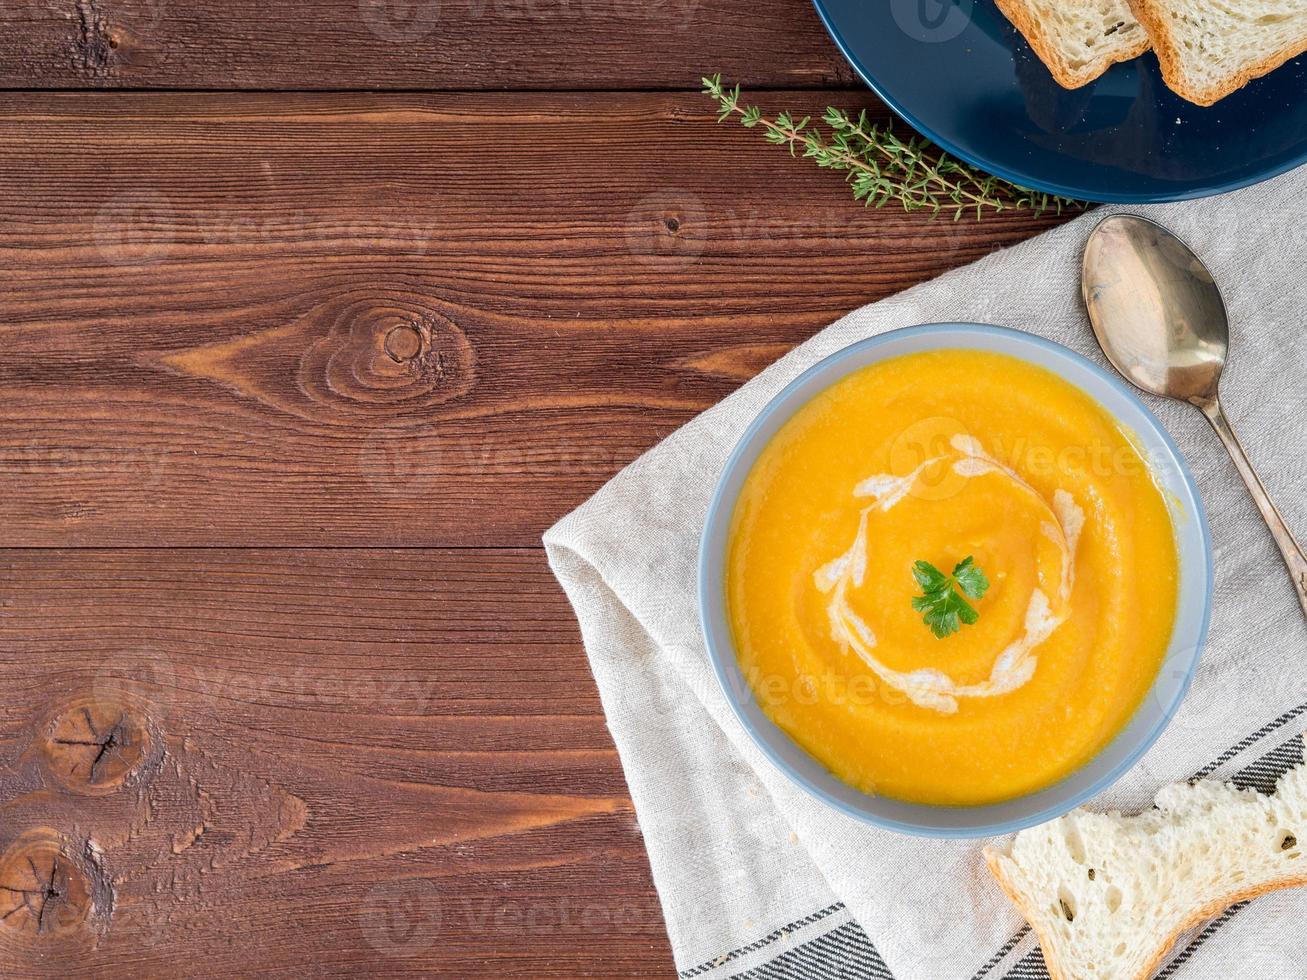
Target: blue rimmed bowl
x,y
1193,541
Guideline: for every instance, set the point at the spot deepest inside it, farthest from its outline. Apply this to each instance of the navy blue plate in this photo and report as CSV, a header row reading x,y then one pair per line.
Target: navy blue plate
x,y
959,73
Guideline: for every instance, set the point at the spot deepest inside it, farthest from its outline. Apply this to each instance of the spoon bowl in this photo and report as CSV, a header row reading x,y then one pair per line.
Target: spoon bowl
x,y
1156,310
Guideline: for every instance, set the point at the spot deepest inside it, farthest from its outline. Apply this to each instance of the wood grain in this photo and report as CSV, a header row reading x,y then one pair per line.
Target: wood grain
x,y
413,320
227,763
413,44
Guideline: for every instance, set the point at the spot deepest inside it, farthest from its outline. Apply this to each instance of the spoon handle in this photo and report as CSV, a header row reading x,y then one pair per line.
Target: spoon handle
x,y
1292,551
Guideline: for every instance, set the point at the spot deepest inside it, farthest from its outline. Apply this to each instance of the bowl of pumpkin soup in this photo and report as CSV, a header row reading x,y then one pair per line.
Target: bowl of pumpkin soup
x,y
955,580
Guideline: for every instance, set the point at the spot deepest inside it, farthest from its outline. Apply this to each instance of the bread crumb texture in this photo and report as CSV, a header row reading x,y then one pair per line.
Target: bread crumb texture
x,y
1078,39
1109,895
1208,50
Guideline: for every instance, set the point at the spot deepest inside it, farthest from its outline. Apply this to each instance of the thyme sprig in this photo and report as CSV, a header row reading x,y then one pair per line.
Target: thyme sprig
x,y
881,166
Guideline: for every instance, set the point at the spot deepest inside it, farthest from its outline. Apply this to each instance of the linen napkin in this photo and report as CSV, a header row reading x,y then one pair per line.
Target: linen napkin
x,y
756,879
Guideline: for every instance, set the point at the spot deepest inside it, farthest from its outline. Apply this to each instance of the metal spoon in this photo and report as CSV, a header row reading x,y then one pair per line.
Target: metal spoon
x,y
1161,321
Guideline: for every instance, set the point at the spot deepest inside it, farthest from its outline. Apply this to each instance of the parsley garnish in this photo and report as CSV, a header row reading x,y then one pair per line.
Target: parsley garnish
x,y
944,604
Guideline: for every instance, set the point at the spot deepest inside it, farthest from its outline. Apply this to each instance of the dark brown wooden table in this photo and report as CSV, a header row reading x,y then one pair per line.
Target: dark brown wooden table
x,y
314,314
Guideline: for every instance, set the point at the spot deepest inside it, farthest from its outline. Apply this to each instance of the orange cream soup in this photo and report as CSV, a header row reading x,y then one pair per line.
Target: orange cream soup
x,y
935,457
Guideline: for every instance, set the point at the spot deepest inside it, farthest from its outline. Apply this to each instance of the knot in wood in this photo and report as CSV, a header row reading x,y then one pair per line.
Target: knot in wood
x,y
95,744
388,355
44,890
405,342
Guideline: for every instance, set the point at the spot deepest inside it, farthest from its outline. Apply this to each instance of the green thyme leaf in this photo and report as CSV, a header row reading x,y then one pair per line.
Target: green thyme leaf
x,y
880,167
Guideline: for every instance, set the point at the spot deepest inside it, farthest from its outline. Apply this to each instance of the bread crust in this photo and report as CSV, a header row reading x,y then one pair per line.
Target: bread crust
x,y
1051,962
1196,917
1033,31
1149,14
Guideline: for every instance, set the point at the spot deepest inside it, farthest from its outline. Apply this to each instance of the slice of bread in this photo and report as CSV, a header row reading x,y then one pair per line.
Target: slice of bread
x,y
1209,49
1078,39
1108,896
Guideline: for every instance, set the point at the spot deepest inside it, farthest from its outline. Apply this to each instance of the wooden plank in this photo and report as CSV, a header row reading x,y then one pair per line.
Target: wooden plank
x,y
397,320
317,762
413,44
